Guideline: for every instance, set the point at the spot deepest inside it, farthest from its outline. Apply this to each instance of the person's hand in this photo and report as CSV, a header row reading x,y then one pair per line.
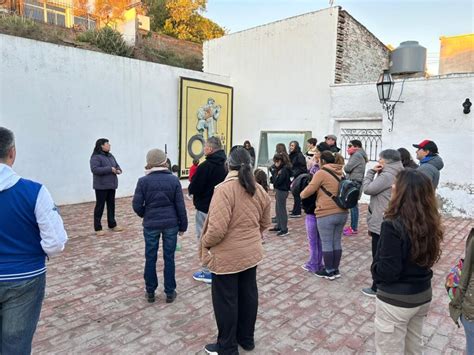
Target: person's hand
x,y
377,168
118,171
114,170
180,234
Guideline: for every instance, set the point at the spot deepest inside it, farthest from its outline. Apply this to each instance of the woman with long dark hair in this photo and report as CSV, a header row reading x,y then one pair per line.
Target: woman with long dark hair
x,y
298,167
251,151
232,248
409,246
407,160
280,178
104,170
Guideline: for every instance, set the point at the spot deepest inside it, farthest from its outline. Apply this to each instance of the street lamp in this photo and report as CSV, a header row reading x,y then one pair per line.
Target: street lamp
x,y
385,86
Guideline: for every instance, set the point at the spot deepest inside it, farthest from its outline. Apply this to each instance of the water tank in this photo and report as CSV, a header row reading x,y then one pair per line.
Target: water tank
x,y
408,58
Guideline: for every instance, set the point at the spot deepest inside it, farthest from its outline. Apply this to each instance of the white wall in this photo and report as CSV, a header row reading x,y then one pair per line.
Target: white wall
x,y
281,74
59,100
432,109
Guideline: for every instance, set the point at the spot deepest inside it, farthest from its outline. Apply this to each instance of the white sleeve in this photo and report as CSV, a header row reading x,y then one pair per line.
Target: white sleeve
x,y
50,223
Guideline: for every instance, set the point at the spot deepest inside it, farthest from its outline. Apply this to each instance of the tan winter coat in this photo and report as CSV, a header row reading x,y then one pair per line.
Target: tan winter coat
x,y
325,205
231,240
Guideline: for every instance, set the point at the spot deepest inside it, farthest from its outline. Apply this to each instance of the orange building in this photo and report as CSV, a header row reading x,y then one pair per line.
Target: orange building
x,y
456,54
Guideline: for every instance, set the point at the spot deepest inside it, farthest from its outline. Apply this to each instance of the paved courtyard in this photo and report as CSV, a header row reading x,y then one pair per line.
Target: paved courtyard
x,y
95,296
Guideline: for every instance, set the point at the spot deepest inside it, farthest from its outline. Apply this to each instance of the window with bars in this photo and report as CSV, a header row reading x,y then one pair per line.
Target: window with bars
x,y
371,141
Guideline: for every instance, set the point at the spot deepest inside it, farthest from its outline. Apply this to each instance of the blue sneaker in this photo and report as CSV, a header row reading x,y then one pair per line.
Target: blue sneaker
x,y
203,276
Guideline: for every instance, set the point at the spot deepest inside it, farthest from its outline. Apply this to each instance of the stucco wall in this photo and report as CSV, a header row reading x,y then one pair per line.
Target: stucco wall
x,y
432,110
59,100
281,74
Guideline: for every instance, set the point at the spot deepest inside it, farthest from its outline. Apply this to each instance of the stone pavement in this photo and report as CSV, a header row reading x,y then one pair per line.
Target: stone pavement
x,y
95,296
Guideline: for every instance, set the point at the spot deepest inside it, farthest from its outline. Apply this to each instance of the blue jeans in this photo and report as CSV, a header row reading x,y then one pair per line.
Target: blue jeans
x,y
355,217
152,241
469,330
20,308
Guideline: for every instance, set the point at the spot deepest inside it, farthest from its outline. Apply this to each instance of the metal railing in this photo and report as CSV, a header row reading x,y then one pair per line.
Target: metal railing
x,y
371,141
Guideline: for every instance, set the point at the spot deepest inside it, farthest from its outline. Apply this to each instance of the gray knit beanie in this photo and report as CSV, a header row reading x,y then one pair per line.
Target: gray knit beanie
x,y
155,158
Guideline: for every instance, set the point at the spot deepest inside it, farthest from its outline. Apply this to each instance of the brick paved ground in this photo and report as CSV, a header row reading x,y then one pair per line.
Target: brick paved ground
x,y
95,301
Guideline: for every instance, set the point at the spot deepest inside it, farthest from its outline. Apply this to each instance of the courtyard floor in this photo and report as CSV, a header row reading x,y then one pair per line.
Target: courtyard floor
x,y
95,295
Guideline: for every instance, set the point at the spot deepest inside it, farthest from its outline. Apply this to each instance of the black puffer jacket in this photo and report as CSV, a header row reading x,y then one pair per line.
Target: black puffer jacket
x,y
298,163
208,174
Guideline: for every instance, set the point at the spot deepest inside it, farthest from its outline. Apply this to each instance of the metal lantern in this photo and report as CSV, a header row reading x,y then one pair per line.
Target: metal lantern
x,y
385,86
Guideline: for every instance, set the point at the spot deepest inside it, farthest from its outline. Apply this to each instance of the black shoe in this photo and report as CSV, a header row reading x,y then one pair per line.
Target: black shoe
x,y
295,215
171,298
274,229
212,349
282,233
248,347
150,297
325,275
337,274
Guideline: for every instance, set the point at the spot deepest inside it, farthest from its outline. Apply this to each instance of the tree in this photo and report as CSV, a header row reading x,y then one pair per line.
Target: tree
x,y
186,22
158,13
109,10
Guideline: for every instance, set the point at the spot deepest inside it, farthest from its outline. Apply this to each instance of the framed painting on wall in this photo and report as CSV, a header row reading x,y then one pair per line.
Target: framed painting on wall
x,y
205,110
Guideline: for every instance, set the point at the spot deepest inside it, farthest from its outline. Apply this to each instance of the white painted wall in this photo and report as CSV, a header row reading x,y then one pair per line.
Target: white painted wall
x,y
59,100
432,110
281,74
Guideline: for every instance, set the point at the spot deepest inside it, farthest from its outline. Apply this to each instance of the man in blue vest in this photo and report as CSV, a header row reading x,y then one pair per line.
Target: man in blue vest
x,y
31,229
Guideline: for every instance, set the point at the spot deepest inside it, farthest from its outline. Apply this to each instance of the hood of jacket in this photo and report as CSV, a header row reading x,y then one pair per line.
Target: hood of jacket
x,y
8,177
217,158
363,153
337,168
393,168
434,160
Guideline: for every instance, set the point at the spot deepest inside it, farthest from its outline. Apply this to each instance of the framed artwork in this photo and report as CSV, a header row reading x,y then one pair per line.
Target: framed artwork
x,y
205,110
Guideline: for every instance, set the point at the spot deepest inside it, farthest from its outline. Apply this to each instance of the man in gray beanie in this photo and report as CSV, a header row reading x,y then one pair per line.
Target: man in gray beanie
x,y
158,199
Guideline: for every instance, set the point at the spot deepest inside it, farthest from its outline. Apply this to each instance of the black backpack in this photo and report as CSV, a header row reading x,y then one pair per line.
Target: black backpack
x,y
298,185
347,193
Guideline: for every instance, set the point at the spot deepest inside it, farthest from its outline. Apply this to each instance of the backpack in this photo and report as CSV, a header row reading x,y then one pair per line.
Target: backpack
x,y
453,279
348,191
298,185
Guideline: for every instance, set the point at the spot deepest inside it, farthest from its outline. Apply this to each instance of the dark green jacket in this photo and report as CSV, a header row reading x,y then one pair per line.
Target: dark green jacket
x,y
463,302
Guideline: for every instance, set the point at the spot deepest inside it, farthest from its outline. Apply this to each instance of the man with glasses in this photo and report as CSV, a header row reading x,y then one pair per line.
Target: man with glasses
x,y
430,162
208,174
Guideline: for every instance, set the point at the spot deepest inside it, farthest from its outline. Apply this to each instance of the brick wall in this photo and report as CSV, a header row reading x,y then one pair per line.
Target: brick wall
x,y
360,56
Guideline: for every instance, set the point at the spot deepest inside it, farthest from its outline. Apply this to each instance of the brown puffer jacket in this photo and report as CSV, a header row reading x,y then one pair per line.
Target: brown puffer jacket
x,y
231,240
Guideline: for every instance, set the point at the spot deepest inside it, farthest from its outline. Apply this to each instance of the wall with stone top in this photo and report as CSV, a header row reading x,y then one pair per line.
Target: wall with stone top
x,y
58,100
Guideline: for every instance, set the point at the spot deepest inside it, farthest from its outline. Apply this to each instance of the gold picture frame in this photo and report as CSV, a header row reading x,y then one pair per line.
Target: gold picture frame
x,y
205,110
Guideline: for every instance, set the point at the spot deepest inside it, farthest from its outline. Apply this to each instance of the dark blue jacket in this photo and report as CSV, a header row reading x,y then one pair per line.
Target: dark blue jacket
x,y
101,167
159,201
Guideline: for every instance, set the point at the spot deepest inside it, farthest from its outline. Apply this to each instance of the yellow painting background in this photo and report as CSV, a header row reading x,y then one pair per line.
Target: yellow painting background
x,y
193,95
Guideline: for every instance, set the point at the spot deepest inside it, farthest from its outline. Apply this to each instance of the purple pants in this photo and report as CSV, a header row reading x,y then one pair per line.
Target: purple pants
x,y
315,261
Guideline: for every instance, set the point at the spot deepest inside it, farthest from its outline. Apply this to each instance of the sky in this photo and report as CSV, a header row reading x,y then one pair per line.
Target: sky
x,y
392,21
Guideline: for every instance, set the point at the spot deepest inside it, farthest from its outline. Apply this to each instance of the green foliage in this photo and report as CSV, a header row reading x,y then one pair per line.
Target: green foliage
x,y
108,40
18,26
172,58
182,19
158,13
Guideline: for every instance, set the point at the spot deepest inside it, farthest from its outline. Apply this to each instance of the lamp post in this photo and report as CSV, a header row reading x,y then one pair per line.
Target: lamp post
x,y
385,86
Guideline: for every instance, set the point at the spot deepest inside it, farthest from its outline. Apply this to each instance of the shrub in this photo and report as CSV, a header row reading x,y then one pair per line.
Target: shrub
x,y
108,40
17,25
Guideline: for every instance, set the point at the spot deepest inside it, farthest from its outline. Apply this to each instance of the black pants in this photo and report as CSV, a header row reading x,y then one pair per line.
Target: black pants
x,y
297,204
235,301
375,242
102,197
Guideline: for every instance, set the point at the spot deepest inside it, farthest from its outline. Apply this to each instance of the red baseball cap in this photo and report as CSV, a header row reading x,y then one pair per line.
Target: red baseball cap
x,y
427,145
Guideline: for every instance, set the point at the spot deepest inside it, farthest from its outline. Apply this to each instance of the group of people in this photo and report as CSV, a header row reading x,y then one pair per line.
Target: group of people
x,y
233,209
